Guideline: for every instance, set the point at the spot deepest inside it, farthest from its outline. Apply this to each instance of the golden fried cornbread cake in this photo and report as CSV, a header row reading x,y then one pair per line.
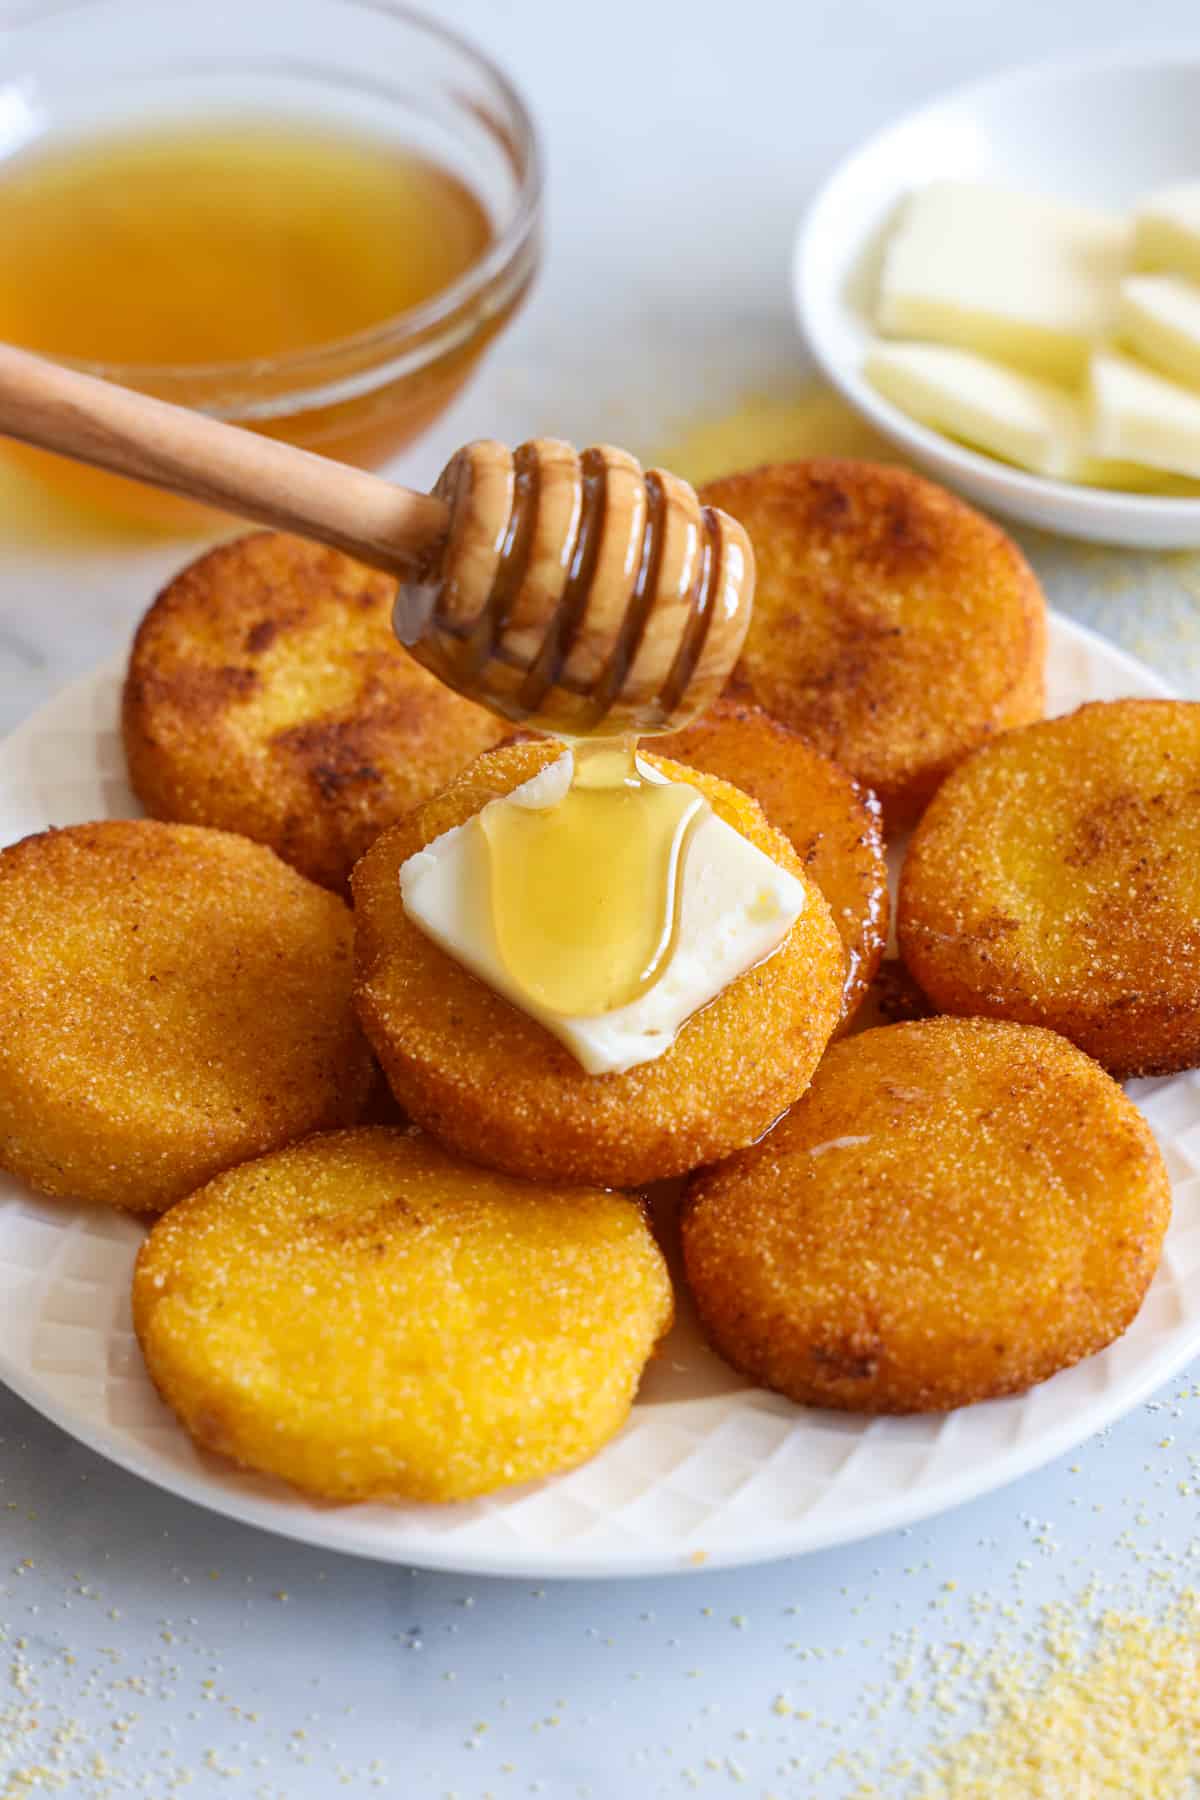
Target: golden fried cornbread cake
x,y
894,627
172,1000
491,1083
267,694
955,1210
832,822
1056,879
368,1317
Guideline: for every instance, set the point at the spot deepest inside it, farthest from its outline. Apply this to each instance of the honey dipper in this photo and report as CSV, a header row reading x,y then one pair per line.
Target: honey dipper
x,y
564,589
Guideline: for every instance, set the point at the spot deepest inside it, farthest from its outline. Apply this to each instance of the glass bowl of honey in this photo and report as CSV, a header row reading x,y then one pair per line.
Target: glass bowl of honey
x,y
308,217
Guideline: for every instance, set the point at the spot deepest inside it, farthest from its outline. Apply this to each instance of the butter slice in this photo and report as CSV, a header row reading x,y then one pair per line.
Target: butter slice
x,y
1030,281
736,907
1160,320
1024,420
1138,414
1029,422
1167,231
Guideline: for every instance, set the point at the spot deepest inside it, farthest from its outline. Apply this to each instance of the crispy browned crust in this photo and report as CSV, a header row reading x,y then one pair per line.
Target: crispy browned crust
x,y
368,1317
1056,879
172,1000
832,822
894,627
957,1209
267,694
494,1085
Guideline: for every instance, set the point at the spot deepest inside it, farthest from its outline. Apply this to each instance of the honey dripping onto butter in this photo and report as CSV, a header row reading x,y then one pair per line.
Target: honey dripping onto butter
x,y
585,893
189,244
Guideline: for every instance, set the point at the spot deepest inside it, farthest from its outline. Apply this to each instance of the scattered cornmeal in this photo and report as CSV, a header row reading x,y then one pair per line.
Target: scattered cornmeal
x,y
366,1316
172,1001
956,1209
894,627
1056,879
811,420
267,694
1113,1716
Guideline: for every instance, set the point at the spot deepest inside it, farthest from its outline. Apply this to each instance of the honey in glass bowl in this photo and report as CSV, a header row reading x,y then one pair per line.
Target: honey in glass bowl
x,y
319,247
221,242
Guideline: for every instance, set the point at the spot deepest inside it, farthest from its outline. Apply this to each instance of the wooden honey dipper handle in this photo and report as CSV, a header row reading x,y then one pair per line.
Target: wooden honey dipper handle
x,y
188,453
567,590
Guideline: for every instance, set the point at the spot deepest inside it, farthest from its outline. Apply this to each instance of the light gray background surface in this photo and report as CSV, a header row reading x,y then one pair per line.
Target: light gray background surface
x,y
149,1646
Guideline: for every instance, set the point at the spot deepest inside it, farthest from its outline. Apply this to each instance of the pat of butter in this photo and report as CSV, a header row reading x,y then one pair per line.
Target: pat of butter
x,y
1029,281
1160,320
1024,420
736,907
1167,231
1138,414
1018,417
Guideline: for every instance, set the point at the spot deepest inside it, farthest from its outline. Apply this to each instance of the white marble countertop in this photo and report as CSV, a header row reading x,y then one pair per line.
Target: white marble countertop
x,y
682,141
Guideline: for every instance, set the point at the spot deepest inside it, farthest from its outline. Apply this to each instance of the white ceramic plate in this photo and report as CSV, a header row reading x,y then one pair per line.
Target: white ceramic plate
x,y
708,1471
1100,132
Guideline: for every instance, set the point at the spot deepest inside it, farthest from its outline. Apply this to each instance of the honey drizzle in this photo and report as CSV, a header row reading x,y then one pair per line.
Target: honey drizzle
x,y
466,647
586,893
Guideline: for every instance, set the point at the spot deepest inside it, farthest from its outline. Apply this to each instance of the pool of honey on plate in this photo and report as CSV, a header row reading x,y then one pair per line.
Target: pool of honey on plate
x,y
585,894
179,246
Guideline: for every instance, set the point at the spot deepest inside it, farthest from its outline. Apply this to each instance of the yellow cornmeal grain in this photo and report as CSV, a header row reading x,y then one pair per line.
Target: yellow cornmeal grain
x,y
1106,1713
811,420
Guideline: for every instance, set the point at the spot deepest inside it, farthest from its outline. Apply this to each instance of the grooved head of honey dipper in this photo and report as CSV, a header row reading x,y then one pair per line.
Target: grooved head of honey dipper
x,y
576,593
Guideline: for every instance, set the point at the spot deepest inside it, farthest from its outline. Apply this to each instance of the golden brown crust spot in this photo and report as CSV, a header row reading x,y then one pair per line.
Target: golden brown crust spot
x,y
957,1209
370,1318
493,1084
894,627
172,1000
832,822
267,694
1056,879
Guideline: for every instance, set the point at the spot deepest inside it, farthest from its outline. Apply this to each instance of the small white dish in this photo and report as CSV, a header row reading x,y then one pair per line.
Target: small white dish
x,y
708,1471
1102,132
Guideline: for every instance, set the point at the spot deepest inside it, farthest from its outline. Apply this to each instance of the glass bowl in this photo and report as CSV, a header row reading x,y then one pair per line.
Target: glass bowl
x,y
83,67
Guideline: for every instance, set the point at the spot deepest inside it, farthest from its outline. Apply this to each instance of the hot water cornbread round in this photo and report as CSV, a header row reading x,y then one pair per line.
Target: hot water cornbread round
x,y
894,627
955,1210
1056,879
172,1000
368,1317
495,1085
267,694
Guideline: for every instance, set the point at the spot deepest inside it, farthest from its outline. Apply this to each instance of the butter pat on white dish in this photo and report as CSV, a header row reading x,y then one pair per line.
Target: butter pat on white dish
x,y
1167,231
736,907
1024,420
1139,415
1160,319
1029,422
1030,281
